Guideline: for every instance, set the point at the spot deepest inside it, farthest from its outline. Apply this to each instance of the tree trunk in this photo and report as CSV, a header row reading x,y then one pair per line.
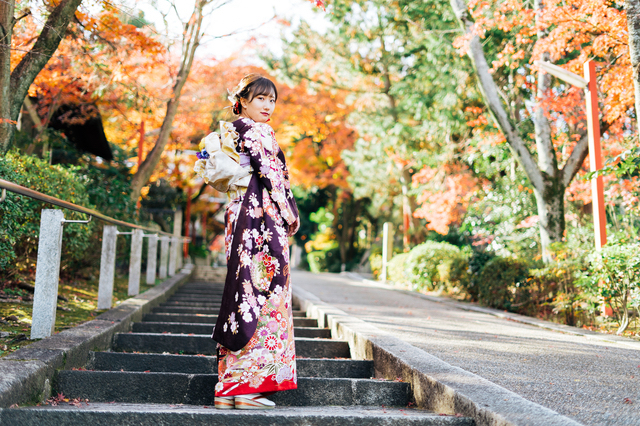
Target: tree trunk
x,y
6,31
191,41
550,203
633,22
31,64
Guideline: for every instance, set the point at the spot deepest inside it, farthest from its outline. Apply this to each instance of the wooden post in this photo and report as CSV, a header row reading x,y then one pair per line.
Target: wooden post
x,y
595,154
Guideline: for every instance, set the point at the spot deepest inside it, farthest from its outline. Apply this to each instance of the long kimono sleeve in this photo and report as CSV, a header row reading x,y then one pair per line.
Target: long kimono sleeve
x,y
268,160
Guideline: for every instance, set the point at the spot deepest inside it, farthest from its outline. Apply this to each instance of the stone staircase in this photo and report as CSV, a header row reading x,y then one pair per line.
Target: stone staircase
x,y
163,373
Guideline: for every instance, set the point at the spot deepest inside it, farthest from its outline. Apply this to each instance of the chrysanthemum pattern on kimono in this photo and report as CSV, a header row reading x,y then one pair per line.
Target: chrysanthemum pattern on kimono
x,y
256,351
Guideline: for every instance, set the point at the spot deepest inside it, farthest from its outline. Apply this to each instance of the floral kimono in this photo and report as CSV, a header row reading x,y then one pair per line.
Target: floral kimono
x,y
254,330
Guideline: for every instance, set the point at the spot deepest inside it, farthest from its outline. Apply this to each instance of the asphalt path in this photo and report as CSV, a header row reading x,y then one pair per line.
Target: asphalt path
x,y
595,382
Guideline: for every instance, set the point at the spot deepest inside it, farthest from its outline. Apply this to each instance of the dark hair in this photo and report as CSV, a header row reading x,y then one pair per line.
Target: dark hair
x,y
250,86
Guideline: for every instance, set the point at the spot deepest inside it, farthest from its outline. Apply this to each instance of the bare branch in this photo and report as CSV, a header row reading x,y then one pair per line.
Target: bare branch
x,y
578,155
575,160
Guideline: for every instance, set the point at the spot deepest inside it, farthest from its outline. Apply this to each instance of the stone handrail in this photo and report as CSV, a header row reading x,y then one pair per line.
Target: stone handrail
x,y
10,186
50,251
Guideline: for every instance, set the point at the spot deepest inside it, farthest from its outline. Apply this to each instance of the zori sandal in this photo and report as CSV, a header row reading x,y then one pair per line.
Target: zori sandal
x,y
254,401
224,402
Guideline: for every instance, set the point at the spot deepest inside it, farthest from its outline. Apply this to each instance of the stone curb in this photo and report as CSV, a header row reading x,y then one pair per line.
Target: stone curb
x,y
435,384
562,328
26,375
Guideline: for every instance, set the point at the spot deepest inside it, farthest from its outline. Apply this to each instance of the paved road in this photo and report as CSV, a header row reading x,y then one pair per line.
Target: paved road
x,y
593,382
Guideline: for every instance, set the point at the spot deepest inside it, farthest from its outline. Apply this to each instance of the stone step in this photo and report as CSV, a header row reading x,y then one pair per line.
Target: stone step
x,y
196,318
210,305
199,290
195,293
216,300
172,327
305,322
205,345
197,389
202,286
195,298
119,414
193,364
203,328
185,309
210,319
323,333
299,314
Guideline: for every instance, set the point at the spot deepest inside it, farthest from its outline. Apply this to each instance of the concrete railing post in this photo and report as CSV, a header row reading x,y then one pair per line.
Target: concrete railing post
x,y
152,257
135,262
387,248
164,257
107,266
45,297
173,255
176,245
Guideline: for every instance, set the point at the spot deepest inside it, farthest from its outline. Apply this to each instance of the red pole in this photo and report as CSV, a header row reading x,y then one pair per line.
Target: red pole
x,y
595,154
406,223
595,164
140,151
187,225
204,227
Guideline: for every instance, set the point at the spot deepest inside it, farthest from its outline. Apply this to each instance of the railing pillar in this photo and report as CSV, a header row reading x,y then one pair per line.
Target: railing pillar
x,y
107,266
173,255
387,248
164,257
45,296
152,257
176,245
135,262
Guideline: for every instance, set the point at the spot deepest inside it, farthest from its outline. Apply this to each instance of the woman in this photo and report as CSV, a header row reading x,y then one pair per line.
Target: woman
x,y
254,330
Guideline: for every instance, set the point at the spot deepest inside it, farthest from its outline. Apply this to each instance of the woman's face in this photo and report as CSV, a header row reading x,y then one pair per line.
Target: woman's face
x,y
260,108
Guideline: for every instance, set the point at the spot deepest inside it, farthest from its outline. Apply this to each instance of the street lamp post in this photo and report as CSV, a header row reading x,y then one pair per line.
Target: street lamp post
x,y
588,83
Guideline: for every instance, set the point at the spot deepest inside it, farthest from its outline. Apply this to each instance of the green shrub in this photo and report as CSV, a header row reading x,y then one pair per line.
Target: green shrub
x,y
20,215
454,272
478,259
502,281
375,262
614,275
324,261
553,290
397,269
424,260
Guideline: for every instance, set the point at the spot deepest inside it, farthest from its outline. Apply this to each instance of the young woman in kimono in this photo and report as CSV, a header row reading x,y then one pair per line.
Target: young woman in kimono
x,y
254,330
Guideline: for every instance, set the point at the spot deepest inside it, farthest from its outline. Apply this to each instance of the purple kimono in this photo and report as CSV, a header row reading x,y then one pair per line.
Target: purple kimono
x,y
256,240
